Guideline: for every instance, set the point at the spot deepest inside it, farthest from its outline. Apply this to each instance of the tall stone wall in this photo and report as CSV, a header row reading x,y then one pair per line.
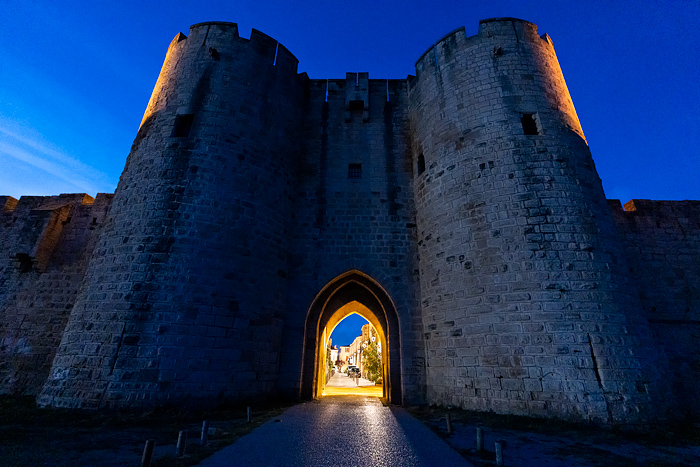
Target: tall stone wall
x,y
527,308
662,241
185,296
45,246
461,207
354,210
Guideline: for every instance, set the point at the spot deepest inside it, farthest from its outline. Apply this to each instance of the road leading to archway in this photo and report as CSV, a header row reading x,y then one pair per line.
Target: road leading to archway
x,y
340,431
341,384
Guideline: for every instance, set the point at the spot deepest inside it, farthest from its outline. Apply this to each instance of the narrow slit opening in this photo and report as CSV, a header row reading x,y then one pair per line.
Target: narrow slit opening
x,y
420,164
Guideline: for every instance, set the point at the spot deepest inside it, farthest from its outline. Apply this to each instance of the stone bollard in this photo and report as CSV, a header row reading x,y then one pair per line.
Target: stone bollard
x,y
249,414
148,453
479,439
181,443
205,433
500,445
448,423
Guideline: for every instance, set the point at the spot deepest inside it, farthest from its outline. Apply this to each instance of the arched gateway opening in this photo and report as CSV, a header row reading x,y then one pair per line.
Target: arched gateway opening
x,y
352,292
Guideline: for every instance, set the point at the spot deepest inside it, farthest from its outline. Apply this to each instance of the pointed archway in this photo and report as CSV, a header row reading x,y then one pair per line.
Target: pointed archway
x,y
376,333
328,308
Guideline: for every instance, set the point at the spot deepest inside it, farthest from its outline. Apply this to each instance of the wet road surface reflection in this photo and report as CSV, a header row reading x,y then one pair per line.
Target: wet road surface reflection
x,y
340,431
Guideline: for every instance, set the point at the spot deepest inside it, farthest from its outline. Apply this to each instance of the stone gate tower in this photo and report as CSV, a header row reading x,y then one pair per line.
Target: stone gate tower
x,y
186,289
527,303
459,210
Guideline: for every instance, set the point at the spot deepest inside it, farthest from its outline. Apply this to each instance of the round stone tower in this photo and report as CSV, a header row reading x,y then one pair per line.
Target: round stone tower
x,y
185,290
527,307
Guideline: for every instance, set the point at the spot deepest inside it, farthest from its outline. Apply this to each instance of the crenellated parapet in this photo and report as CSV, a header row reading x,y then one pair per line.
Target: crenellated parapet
x,y
198,235
45,246
508,63
216,44
511,212
460,207
31,227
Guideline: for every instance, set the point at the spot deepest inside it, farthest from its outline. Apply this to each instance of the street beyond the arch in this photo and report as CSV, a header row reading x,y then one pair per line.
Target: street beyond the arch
x,y
341,384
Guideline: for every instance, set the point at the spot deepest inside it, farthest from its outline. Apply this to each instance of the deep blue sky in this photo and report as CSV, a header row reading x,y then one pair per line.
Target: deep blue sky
x,y
75,77
348,329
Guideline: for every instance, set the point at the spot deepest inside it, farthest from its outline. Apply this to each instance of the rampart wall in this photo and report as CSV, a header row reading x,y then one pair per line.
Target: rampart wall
x,y
461,206
45,247
662,242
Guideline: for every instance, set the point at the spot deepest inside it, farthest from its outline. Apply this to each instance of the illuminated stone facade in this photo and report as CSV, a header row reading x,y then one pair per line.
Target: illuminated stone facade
x,y
460,206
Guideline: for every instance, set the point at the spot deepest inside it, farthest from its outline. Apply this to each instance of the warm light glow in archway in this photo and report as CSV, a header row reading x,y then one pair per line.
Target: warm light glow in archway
x,y
350,308
351,292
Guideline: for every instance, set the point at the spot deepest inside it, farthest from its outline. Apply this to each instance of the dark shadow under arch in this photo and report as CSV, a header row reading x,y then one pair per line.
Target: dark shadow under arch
x,y
352,286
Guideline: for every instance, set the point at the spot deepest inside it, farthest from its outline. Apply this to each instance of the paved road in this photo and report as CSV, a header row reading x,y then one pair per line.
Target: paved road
x,y
339,431
341,380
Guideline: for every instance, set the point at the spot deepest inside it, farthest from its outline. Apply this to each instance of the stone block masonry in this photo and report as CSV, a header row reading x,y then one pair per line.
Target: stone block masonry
x,y
662,242
517,247
45,246
197,238
362,220
460,207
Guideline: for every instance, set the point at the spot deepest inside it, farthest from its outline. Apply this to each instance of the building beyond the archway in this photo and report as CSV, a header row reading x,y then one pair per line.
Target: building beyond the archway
x,y
460,206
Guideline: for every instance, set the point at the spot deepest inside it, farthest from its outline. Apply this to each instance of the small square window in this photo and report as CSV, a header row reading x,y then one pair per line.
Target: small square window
x,y
529,124
25,262
354,171
183,125
356,105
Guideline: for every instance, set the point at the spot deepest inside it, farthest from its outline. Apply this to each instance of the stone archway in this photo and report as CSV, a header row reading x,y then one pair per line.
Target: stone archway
x,y
346,310
328,308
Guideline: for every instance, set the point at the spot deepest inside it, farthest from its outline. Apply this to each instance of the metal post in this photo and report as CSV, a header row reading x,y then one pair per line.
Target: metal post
x,y
249,415
181,443
147,453
499,453
448,422
479,439
205,433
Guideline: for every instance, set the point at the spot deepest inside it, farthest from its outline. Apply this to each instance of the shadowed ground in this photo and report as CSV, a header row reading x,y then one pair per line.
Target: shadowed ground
x,y
340,431
62,438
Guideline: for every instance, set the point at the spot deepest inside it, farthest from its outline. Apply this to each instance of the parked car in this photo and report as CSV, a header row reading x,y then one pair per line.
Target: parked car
x,y
353,371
